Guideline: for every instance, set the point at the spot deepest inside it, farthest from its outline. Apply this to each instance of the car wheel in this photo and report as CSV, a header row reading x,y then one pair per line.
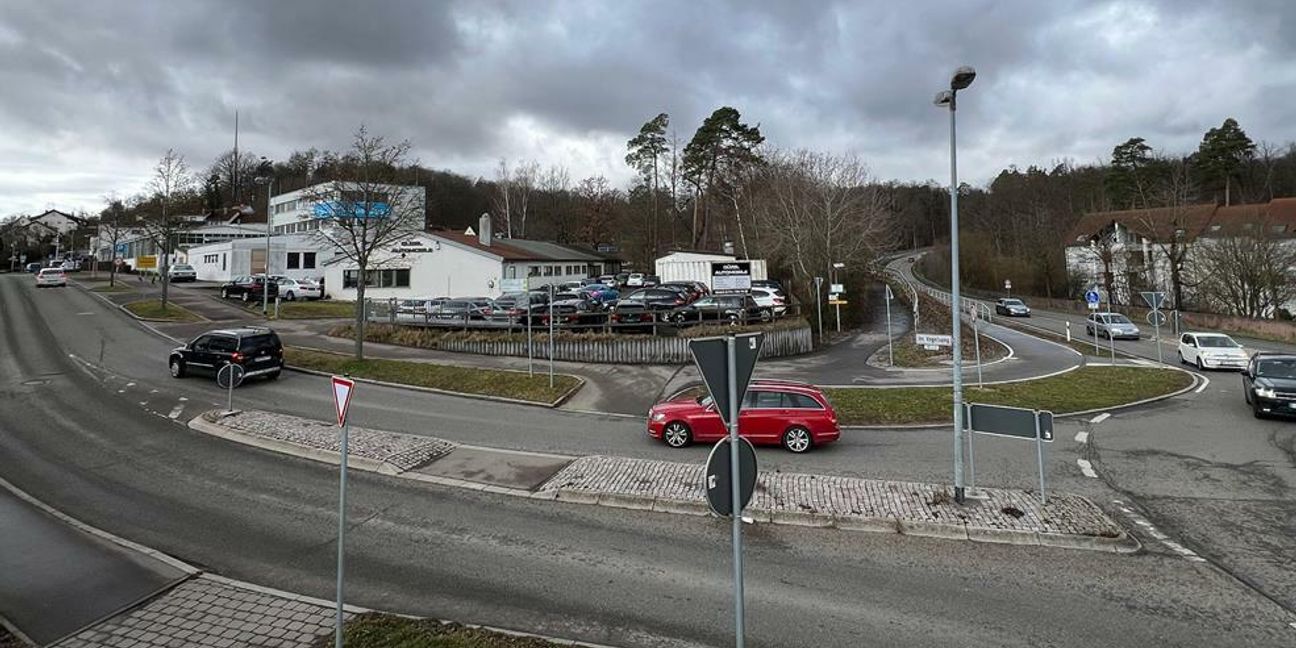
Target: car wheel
x,y
1246,394
224,294
677,434
1088,331
177,368
1255,410
1199,364
244,297
273,375
1182,361
290,296
797,439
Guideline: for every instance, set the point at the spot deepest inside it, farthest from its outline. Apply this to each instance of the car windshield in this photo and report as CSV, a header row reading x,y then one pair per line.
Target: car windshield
x,y
1013,302
182,266
1217,342
1117,319
1277,368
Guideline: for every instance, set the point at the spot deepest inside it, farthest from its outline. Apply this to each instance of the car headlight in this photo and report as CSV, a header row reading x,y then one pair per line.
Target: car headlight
x,y
658,417
1264,392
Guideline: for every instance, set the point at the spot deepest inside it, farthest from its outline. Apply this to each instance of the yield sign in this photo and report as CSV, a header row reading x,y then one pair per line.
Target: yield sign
x,y
712,358
342,390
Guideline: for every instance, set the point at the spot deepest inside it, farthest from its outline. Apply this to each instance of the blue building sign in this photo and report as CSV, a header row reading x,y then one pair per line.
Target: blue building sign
x,y
334,208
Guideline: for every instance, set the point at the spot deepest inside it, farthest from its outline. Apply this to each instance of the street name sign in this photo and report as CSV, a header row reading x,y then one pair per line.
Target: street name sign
x,y
929,340
1018,422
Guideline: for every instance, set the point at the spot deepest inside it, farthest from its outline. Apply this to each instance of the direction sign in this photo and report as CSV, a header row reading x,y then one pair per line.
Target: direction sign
x,y
1155,300
925,339
1007,284
837,302
342,390
836,288
230,376
1156,318
718,495
146,262
1009,421
711,357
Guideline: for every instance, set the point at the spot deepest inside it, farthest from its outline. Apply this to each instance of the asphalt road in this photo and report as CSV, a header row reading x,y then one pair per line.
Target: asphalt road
x,y
79,439
1202,469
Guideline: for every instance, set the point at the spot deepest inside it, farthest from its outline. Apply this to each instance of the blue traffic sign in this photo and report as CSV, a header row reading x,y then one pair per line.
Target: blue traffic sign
x,y
1092,297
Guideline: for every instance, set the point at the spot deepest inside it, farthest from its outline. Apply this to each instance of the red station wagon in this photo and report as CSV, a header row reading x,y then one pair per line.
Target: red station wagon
x,y
794,415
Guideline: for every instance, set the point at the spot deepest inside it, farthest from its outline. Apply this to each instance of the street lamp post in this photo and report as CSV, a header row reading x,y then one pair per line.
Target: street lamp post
x,y
264,177
948,98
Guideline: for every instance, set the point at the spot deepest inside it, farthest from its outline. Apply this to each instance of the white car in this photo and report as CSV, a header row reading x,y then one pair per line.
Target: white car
x,y
294,289
182,272
770,298
1212,351
635,280
51,277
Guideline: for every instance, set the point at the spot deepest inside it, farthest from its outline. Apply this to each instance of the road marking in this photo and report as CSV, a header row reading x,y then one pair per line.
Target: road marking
x,y
1082,437
1100,418
1204,385
130,384
1140,521
175,412
1087,468
183,399
85,313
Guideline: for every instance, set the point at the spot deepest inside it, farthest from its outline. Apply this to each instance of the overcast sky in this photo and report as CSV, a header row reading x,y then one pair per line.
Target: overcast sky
x,y
93,93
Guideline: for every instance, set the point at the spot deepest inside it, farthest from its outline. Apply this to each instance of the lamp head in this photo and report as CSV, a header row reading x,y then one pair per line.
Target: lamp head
x,y
943,98
962,78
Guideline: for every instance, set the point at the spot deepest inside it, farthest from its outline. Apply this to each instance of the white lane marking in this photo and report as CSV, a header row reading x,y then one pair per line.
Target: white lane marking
x,y
1100,418
1139,520
152,391
123,391
85,313
183,399
1086,468
175,412
1082,437
1204,385
131,384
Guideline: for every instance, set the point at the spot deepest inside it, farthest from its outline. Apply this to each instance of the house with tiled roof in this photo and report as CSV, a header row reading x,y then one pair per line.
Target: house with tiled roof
x,y
472,263
1132,249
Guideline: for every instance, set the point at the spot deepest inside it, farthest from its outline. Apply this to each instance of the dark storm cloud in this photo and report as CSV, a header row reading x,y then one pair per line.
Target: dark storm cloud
x,y
96,91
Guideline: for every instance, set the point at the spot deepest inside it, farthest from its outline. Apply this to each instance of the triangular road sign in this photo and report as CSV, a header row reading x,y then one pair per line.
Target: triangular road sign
x,y
711,356
1155,300
342,390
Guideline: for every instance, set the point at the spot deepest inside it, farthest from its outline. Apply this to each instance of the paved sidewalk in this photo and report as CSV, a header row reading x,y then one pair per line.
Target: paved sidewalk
x,y
207,611
991,515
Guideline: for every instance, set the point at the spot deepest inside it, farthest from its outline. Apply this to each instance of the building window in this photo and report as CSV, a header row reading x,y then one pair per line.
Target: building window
x,y
308,261
533,271
223,257
294,261
397,278
548,271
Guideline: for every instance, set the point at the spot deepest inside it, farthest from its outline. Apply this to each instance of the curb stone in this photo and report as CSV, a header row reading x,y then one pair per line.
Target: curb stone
x,y
446,392
800,518
866,524
1124,543
680,507
633,502
1003,536
925,529
577,497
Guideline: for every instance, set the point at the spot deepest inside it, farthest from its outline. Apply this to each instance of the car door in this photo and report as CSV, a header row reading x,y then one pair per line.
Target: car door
x,y
221,350
198,355
1188,348
760,418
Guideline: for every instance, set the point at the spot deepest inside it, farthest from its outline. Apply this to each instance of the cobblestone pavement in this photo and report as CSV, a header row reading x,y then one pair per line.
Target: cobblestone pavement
x,y
842,497
211,613
402,451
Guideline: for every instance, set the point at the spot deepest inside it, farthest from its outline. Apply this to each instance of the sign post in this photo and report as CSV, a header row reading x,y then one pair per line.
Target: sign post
x,y
1008,287
1016,422
726,365
890,353
1155,300
976,337
551,335
1111,339
229,377
818,284
343,388
1091,298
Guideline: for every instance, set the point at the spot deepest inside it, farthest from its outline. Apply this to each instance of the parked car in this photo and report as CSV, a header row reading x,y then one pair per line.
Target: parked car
x,y
257,349
572,308
1212,351
1269,384
734,309
602,295
696,288
51,278
632,315
650,281
771,299
1012,307
609,280
293,289
460,310
1111,326
181,272
570,286
517,307
635,280
767,283
419,305
794,415
657,298
248,288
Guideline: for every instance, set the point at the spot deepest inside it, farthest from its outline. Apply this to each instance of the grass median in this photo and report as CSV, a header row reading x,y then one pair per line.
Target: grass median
x,y
1085,388
152,309
385,631
115,288
467,380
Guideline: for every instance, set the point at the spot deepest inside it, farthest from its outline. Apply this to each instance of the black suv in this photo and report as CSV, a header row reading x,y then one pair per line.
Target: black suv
x,y
248,288
735,309
1269,384
257,349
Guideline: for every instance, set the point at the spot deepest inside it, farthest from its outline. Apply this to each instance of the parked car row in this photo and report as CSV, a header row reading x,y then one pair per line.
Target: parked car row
x,y
255,287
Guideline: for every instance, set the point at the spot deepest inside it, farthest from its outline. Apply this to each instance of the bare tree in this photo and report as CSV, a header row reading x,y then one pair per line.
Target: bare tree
x,y
1172,229
525,177
365,210
596,202
1248,274
111,218
554,204
171,182
502,200
818,209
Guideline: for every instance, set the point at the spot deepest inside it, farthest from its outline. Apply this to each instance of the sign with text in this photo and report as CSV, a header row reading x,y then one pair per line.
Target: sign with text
x,y
836,288
730,277
929,340
513,285
146,262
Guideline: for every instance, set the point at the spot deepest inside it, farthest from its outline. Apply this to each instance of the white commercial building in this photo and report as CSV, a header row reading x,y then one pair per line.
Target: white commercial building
x,y
467,264
300,256
306,209
696,266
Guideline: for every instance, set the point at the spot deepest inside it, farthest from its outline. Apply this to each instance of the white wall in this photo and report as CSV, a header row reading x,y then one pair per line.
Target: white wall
x,y
698,268
439,271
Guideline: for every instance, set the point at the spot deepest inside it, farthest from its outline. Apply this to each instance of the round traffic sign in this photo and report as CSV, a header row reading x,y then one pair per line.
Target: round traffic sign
x,y
230,375
1092,297
1156,318
1007,284
718,494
